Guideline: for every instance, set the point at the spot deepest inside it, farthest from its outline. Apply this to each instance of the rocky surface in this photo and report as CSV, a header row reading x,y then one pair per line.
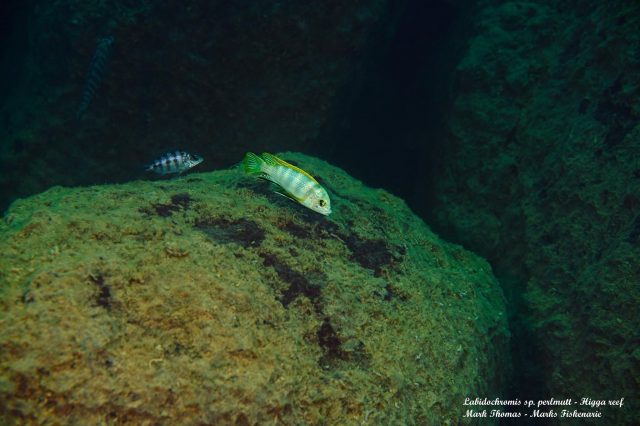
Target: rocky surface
x,y
542,176
211,300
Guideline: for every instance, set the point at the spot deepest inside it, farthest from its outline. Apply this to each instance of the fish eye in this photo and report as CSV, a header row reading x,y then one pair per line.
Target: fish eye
x,y
322,203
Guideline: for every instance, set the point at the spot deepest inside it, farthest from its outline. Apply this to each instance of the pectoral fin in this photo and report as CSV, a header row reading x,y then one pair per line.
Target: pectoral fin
x,y
287,195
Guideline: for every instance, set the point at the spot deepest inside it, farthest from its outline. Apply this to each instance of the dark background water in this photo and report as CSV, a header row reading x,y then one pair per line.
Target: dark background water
x,y
508,127
210,80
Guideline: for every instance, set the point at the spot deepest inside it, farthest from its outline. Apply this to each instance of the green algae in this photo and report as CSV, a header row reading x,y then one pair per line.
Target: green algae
x,y
209,299
550,195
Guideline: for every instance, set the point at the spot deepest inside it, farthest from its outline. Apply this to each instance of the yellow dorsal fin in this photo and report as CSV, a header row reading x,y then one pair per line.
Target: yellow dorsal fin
x,y
273,160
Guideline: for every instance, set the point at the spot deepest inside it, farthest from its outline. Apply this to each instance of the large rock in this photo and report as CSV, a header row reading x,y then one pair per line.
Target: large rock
x,y
210,299
542,177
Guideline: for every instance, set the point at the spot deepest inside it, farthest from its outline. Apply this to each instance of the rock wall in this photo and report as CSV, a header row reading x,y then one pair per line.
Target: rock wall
x,y
541,175
210,299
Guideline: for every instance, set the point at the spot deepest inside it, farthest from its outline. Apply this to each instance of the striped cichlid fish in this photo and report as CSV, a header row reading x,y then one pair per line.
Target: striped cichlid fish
x,y
174,162
95,74
296,184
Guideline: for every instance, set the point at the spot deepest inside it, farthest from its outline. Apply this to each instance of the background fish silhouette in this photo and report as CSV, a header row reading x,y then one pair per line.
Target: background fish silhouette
x,y
96,73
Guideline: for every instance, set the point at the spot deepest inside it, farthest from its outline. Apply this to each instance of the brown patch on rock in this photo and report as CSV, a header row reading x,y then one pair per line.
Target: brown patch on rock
x,y
240,231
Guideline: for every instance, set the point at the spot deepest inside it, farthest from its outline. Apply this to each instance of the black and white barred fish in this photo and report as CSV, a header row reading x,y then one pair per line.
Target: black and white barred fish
x,y
174,162
95,74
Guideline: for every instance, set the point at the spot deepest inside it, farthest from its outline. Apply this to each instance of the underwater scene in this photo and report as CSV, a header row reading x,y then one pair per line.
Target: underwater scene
x,y
335,212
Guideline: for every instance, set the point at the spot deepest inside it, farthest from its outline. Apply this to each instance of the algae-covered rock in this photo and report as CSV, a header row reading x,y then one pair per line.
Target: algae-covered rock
x,y
211,299
545,135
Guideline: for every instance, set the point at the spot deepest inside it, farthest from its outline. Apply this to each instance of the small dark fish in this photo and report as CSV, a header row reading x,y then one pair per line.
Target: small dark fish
x,y
174,162
95,74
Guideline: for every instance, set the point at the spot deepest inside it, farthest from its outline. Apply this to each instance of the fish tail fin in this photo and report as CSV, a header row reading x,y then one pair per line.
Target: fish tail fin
x,y
252,164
